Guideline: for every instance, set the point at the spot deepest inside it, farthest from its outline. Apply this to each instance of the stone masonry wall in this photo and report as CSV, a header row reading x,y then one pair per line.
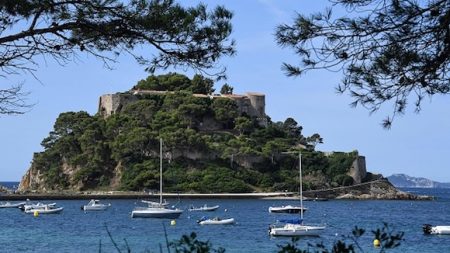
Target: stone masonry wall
x,y
253,104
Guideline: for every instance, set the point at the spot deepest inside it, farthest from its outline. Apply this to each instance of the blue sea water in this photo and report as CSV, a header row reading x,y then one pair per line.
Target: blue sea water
x,y
76,231
10,185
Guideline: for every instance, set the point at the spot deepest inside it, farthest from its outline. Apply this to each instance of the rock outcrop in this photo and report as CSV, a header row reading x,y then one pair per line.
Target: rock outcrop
x,y
378,189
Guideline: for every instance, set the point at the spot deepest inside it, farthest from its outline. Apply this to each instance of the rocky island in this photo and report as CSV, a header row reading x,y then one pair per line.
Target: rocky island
x,y
213,143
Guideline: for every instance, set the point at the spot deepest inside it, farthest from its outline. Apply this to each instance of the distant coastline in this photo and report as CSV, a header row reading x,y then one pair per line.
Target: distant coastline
x,y
406,181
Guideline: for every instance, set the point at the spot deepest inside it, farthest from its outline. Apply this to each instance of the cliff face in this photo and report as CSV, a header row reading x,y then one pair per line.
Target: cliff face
x,y
35,180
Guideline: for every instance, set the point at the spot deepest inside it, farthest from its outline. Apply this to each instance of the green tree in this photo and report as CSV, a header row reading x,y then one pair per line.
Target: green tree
x,y
201,85
292,128
243,125
225,110
167,82
313,140
226,89
274,147
182,36
388,51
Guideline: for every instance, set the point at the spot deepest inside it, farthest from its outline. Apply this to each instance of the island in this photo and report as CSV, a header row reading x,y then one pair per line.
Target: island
x,y
214,143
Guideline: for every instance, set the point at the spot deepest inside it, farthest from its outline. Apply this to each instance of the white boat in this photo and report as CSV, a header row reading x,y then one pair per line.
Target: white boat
x,y
156,212
287,209
296,227
436,230
38,205
45,209
204,208
216,221
290,229
159,210
95,205
8,204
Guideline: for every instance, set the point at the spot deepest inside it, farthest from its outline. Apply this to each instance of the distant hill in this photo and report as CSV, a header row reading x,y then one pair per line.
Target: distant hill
x,y
402,180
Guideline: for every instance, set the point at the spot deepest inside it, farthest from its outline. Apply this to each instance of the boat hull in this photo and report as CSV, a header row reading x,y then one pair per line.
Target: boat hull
x,y
204,209
293,230
436,230
95,208
159,213
229,221
45,211
287,209
11,205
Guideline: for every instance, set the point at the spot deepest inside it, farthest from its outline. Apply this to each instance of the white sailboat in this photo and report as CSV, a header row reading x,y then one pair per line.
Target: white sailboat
x,y
296,228
159,210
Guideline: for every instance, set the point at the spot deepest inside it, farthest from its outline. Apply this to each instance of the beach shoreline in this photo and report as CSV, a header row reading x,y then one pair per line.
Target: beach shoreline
x,y
143,195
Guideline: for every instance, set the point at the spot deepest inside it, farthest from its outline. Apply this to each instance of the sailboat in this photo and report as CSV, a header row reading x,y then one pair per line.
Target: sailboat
x,y
293,209
157,210
296,227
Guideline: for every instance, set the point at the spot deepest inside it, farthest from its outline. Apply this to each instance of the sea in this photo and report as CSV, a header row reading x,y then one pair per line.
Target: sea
x,y
114,230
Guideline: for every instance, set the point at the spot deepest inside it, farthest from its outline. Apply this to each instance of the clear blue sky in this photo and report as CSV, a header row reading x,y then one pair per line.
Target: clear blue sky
x,y
417,144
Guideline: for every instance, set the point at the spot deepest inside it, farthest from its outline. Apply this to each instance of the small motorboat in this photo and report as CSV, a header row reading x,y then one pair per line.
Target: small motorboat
x,y
204,208
216,221
287,209
294,227
44,209
35,206
8,204
436,230
95,205
294,230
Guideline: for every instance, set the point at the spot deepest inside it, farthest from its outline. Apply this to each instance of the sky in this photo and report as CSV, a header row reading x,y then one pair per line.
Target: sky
x,y
417,144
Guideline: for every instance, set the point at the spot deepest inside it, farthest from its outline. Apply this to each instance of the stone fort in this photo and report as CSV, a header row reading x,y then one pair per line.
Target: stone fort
x,y
251,103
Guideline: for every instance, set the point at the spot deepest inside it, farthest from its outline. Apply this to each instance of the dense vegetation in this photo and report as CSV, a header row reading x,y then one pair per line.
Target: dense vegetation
x,y
209,146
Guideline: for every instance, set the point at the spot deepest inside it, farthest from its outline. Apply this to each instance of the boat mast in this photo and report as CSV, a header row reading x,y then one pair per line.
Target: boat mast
x,y
160,170
301,183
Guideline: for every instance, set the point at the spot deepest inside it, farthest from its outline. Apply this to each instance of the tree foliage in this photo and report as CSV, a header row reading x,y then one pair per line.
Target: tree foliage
x,y
171,35
226,89
388,51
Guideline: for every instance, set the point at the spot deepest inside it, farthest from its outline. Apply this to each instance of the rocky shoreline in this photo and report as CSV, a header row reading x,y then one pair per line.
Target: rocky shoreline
x,y
379,189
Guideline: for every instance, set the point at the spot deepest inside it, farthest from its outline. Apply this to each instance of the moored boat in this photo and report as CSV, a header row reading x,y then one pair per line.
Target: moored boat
x,y
216,221
204,208
287,209
8,204
157,209
45,209
156,212
95,205
436,230
291,229
296,227
37,205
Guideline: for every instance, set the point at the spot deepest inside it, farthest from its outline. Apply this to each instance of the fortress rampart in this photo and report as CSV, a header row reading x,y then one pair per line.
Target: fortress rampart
x,y
252,103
